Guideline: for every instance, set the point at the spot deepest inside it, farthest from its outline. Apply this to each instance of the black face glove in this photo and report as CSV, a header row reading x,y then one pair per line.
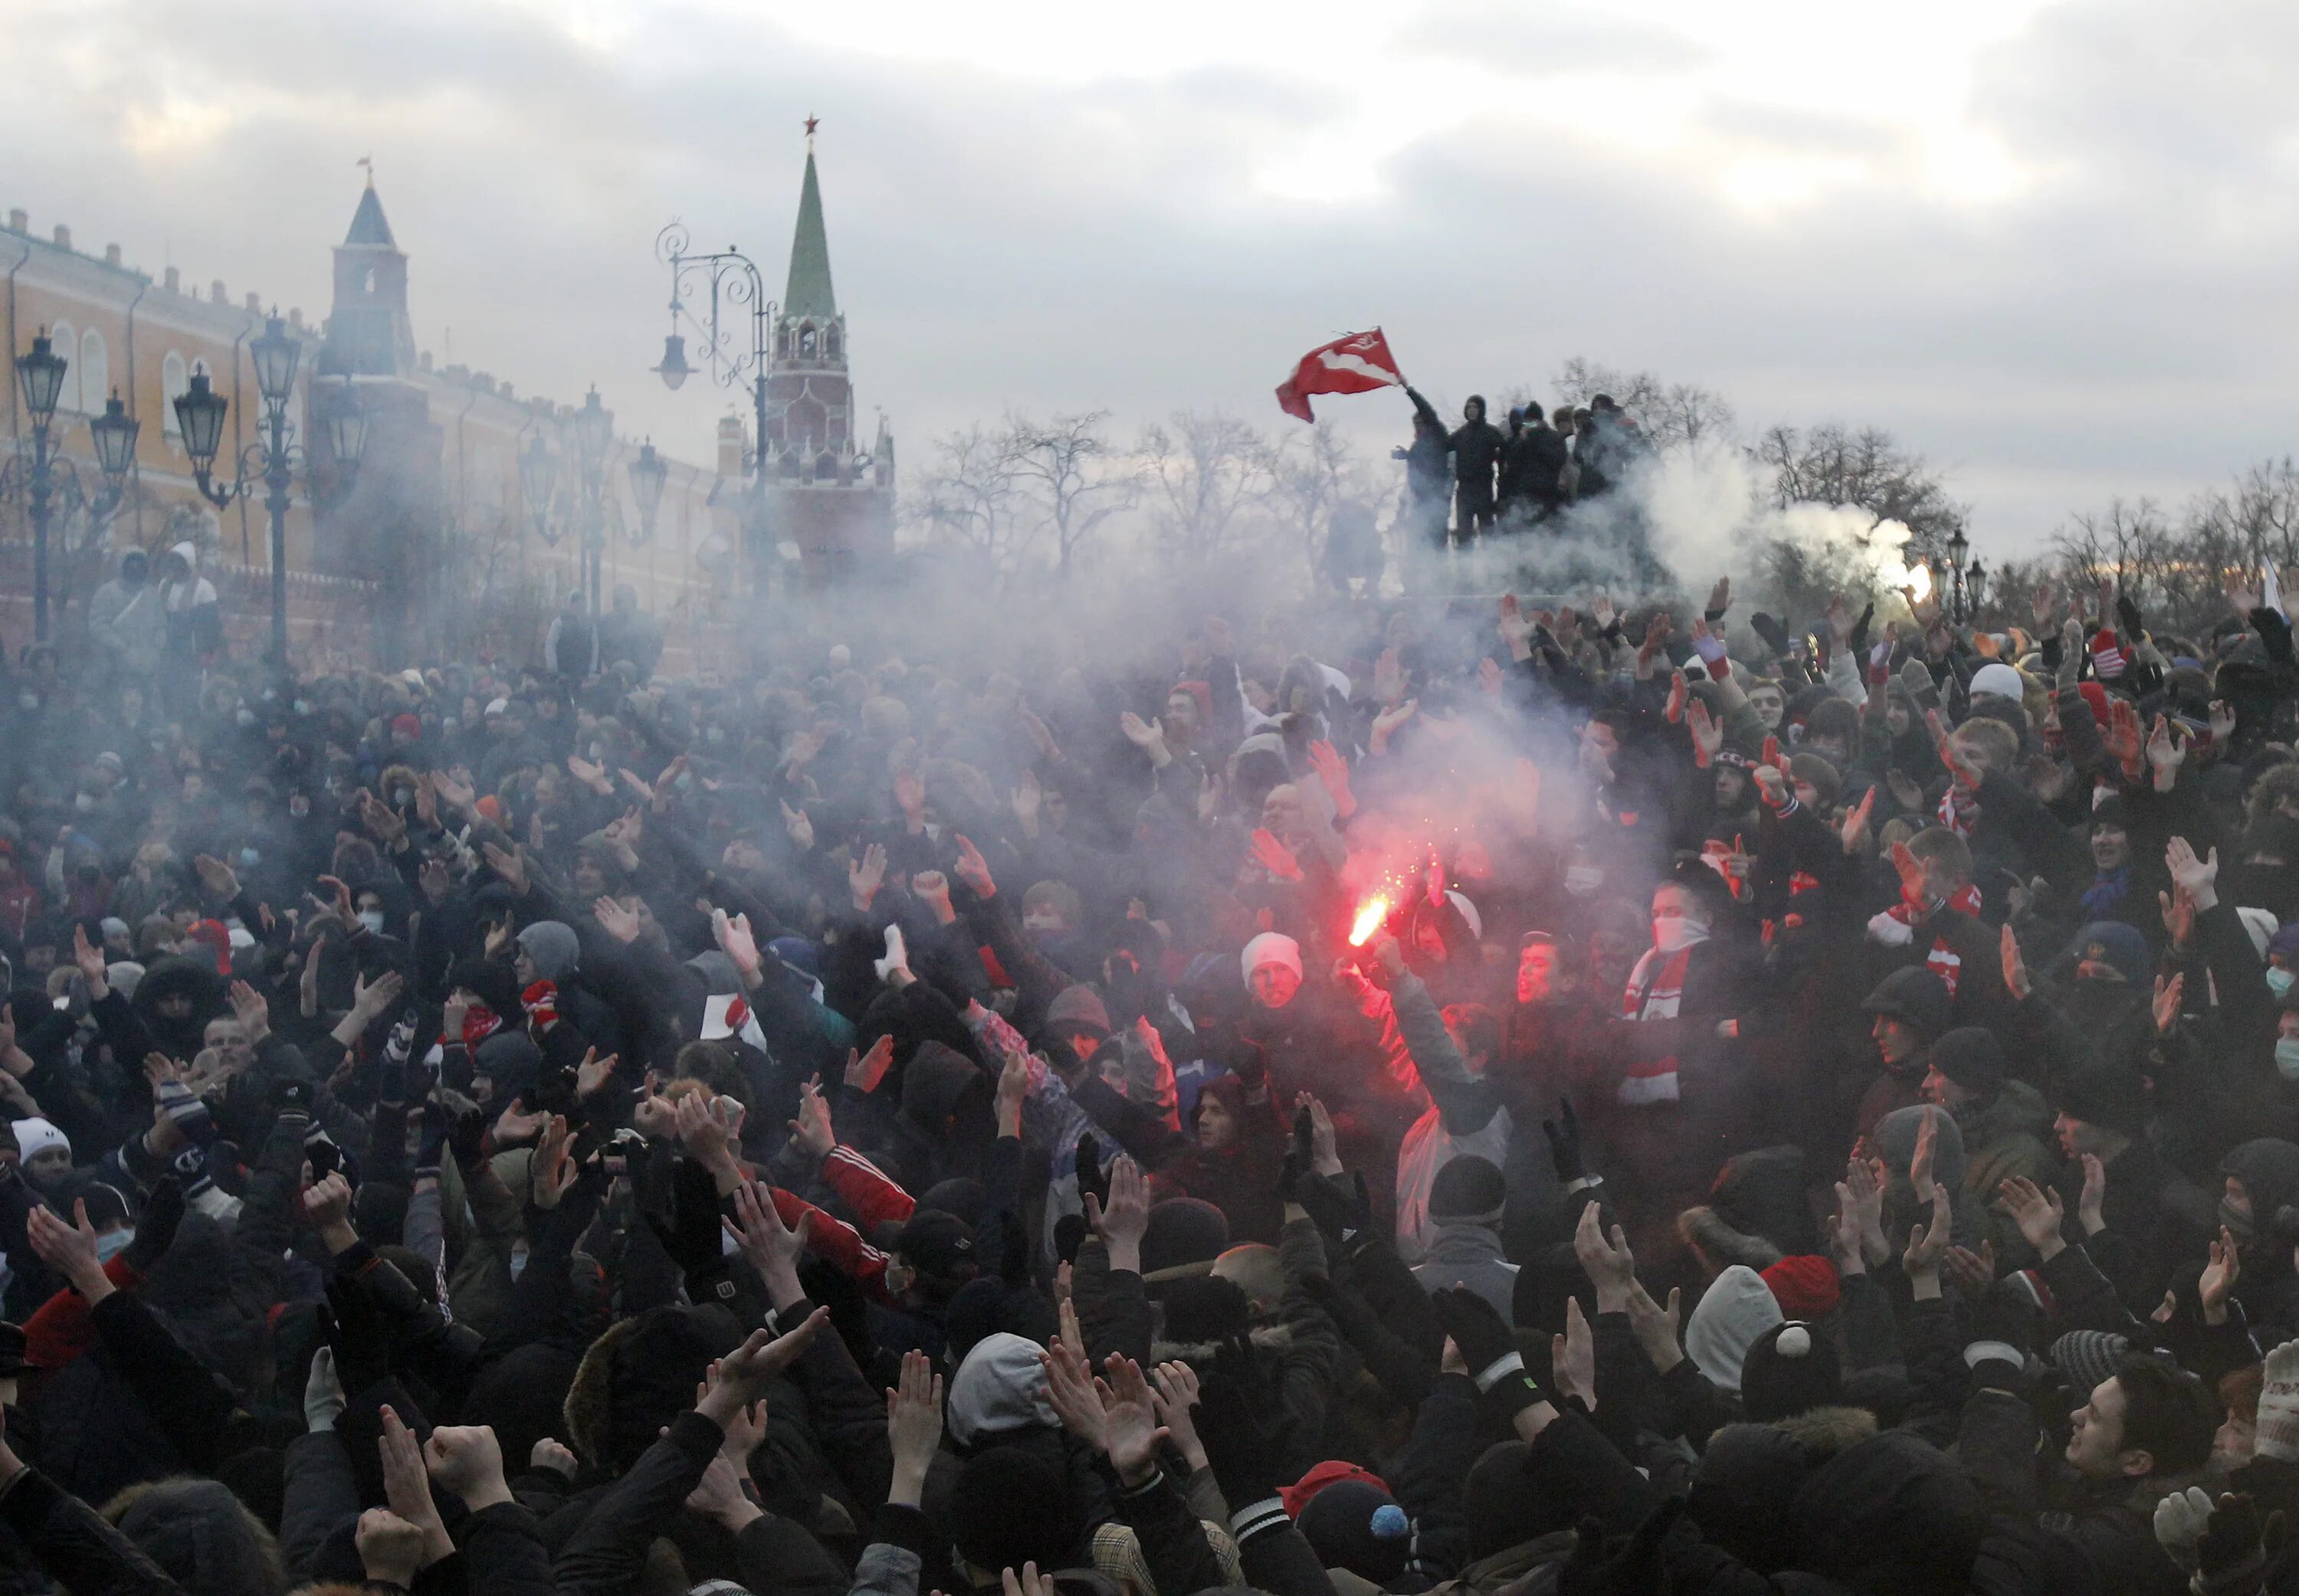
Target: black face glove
x,y
1564,1134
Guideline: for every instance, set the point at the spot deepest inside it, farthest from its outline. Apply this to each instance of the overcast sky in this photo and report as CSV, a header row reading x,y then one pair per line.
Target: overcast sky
x,y
2049,245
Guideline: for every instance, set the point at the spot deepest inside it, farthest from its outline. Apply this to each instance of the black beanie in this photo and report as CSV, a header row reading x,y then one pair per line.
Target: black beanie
x,y
2106,1095
1205,1308
1971,1056
1792,1368
1358,1526
1011,1505
1469,1188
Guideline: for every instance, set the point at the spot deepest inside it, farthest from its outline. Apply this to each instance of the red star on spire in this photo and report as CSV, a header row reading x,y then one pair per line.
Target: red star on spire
x,y
810,124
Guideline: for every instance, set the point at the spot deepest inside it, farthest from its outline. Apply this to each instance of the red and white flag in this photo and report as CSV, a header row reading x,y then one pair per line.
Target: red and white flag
x,y
1356,364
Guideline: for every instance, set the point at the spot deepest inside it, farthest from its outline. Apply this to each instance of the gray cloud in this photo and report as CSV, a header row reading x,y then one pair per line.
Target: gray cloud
x,y
2122,325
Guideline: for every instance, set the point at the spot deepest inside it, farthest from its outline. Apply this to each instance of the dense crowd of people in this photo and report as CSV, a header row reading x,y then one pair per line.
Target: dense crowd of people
x,y
1628,1098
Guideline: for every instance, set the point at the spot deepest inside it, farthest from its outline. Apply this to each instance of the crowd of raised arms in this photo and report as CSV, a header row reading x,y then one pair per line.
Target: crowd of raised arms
x,y
1372,1097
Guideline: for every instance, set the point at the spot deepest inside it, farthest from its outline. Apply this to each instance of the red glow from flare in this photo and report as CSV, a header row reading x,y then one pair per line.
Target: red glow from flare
x,y
1369,920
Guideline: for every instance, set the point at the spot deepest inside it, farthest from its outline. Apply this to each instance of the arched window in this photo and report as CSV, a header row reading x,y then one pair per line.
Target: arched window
x,y
830,343
67,344
94,372
806,342
175,379
367,281
826,467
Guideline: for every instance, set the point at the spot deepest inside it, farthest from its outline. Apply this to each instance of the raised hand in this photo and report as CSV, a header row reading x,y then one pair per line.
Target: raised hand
x,y
733,934
2015,968
2037,1210
624,925
1274,856
2198,877
866,874
1573,1356
812,1132
1707,733
1853,833
972,869
2166,1003
1611,1267
2219,1278
913,1427
864,1072
771,1246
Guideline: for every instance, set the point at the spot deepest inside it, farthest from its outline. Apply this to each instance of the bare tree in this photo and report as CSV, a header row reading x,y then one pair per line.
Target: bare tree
x,y
1313,475
1867,470
1204,475
1671,414
968,497
1073,477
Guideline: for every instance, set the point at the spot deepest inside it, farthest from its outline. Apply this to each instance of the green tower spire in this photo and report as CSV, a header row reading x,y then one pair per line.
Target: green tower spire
x,y
809,292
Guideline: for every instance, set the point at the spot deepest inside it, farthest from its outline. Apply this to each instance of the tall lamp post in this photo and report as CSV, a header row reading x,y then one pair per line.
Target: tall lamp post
x,y
730,280
649,473
274,459
594,435
47,477
1958,546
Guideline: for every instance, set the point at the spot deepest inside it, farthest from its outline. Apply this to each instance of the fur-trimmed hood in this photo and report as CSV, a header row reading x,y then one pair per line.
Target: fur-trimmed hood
x,y
1822,1433
1705,1230
1264,1338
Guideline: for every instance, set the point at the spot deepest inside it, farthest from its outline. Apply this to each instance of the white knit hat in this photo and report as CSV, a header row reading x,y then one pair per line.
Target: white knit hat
x,y
1733,1314
37,1135
1271,947
2000,679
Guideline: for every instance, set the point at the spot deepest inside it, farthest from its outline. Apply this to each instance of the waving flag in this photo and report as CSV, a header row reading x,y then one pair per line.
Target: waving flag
x,y
1356,364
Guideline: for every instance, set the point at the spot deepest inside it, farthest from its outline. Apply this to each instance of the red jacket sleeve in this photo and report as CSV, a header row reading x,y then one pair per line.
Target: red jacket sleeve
x,y
836,1241
60,1329
865,1188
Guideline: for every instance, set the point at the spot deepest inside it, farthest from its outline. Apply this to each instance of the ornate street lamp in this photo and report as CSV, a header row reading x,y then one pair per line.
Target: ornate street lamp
x,y
594,435
648,474
1958,546
40,374
728,280
538,477
114,434
274,459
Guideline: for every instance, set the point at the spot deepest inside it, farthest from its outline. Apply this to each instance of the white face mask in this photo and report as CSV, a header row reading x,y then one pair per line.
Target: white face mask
x,y
1581,879
111,1243
1674,932
373,919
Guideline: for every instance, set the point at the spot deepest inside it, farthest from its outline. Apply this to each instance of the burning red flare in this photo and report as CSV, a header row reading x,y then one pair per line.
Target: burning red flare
x,y
1369,920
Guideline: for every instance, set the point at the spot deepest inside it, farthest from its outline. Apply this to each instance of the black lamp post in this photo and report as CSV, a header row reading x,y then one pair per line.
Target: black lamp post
x,y
538,477
1976,579
274,459
649,473
41,375
1958,546
731,279
47,480
594,435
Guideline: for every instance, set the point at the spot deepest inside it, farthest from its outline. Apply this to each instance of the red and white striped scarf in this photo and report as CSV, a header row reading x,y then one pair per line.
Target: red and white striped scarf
x,y
1655,989
1944,961
1959,810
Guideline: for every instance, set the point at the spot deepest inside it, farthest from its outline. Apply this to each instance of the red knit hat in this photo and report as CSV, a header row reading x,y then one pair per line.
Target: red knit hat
x,y
1332,1471
1805,1286
210,933
407,725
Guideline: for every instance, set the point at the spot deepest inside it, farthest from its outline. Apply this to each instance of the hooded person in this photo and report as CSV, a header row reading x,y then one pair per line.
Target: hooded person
x,y
1465,1202
1736,1312
549,950
202,1536
124,618
1232,1161
2005,1124
1911,1008
194,619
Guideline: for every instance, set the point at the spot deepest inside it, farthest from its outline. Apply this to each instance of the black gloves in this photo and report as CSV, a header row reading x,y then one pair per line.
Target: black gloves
x,y
1564,1134
1297,1167
2236,1546
1775,635
1489,1347
1855,643
691,1234
466,1133
1093,1180
1244,1435
155,1227
1340,1206
361,1340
